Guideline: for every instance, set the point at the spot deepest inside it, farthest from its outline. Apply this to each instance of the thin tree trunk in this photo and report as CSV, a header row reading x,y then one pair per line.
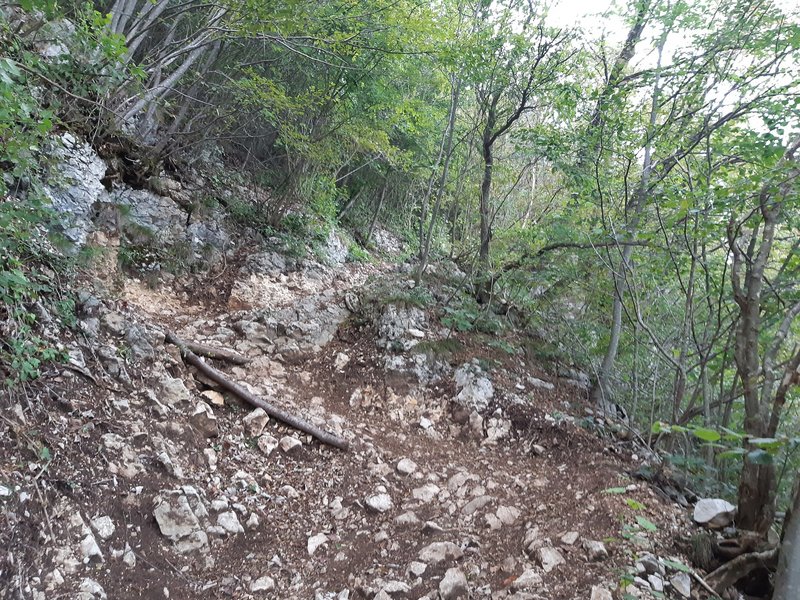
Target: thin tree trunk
x,y
451,125
601,391
376,213
787,577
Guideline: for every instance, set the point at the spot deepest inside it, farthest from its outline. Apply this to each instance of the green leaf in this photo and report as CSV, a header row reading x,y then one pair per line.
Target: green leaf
x,y
635,505
615,490
646,524
708,435
44,453
735,453
677,565
767,443
658,427
759,457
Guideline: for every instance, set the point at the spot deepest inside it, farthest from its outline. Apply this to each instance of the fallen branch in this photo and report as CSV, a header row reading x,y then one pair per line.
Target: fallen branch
x,y
273,411
740,567
704,585
208,351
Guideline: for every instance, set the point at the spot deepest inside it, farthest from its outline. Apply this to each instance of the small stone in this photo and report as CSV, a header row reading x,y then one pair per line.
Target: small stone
x,y
431,527
89,548
213,397
407,518
493,522
255,422
417,568
211,458
173,391
453,585
289,444
90,589
5,491
682,584
267,444
128,557
315,542
570,538
104,526
529,580
439,552
595,551
263,584
426,493
396,587
656,583
406,466
230,522
549,558
651,564
252,521
476,504
220,504
341,360
203,420
599,593
379,503
540,383
54,579
508,514
425,423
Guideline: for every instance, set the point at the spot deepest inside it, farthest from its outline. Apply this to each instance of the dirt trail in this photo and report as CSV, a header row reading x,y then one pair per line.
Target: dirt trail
x,y
155,491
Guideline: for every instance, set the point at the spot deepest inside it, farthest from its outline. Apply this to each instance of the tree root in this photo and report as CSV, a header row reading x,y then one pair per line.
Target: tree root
x,y
273,411
740,567
208,351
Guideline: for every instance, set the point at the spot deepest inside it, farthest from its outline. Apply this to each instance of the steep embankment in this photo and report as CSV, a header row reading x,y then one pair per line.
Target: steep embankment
x,y
470,470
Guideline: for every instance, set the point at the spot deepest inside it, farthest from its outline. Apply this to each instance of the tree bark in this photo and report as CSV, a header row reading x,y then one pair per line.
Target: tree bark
x,y
787,577
451,125
757,482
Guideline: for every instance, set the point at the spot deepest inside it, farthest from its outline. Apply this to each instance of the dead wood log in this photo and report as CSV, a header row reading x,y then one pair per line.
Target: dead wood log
x,y
740,567
208,351
273,411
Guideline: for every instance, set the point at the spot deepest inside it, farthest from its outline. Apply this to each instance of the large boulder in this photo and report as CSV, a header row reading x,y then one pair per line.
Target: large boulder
x,y
714,513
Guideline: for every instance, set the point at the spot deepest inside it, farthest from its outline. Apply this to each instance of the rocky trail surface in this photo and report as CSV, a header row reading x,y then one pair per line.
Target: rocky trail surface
x,y
470,473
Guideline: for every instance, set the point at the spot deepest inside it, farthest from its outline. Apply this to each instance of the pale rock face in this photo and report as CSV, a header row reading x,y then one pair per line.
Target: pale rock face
x,y
475,389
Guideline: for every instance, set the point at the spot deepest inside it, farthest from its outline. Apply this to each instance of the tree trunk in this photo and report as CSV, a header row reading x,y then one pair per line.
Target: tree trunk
x,y
484,283
787,578
601,392
448,149
377,212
